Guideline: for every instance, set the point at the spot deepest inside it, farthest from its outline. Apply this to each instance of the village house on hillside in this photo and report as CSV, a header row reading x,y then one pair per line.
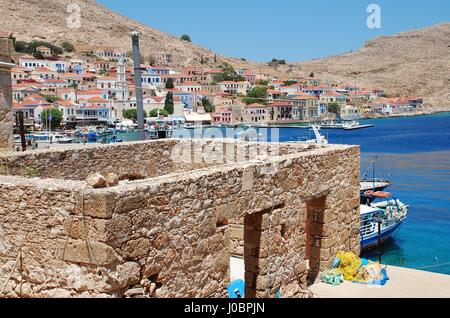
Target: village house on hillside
x,y
100,85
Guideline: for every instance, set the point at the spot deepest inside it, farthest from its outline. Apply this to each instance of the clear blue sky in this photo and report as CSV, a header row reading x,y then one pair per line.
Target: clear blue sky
x,y
295,30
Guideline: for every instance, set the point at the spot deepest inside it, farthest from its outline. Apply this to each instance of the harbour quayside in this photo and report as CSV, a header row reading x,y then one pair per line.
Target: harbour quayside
x,y
381,213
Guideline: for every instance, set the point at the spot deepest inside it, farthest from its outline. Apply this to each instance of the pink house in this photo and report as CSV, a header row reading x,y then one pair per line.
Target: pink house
x,y
223,117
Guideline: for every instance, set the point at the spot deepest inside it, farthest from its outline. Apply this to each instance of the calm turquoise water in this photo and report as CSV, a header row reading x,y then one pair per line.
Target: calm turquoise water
x,y
415,153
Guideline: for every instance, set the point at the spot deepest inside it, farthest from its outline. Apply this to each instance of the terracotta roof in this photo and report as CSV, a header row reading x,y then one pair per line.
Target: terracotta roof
x,y
280,104
255,105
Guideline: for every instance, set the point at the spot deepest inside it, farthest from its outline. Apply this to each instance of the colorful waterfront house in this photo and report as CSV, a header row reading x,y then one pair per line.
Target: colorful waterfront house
x,y
235,88
68,110
273,94
151,80
349,113
193,87
23,90
111,55
158,70
91,114
333,97
74,79
256,113
19,73
187,98
56,83
280,111
43,73
107,83
31,62
305,106
58,66
89,81
88,94
415,101
27,110
222,117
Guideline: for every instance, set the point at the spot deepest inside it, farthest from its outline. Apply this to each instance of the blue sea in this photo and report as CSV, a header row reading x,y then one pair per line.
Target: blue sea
x,y
414,152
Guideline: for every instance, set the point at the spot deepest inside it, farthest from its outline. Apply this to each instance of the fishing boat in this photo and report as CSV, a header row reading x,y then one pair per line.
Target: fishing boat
x,y
389,213
379,207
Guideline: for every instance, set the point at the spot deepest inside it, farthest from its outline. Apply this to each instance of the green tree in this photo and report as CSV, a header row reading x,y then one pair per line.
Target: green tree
x,y
228,74
38,55
334,108
162,112
257,94
131,114
209,108
170,84
186,37
31,47
68,47
20,46
289,83
51,116
169,103
49,98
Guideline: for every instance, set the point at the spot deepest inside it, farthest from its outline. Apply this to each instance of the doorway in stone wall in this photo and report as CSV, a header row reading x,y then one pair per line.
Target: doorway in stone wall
x,y
252,248
314,235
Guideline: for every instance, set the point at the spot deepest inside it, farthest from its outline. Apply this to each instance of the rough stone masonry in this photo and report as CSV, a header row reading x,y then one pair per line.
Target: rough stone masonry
x,y
6,126
171,234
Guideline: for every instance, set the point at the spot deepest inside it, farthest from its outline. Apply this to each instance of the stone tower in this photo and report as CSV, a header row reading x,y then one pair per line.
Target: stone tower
x,y
122,88
6,118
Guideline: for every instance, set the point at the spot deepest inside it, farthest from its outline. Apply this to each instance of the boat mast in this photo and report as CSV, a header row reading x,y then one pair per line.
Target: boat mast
x,y
373,174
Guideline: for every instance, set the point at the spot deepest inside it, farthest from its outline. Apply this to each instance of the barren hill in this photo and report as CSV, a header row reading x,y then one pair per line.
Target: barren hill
x,y
410,63
100,28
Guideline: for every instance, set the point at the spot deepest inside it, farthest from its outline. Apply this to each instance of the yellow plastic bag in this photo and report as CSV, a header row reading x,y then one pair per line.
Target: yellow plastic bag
x,y
350,264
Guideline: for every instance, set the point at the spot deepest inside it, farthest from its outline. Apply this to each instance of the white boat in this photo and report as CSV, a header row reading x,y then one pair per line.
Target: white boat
x,y
319,138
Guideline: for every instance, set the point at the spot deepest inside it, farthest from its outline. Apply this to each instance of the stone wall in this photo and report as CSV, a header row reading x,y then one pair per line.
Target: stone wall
x,y
148,158
167,236
6,124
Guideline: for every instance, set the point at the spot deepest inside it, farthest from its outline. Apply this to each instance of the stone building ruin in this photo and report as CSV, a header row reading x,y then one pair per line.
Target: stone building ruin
x,y
171,234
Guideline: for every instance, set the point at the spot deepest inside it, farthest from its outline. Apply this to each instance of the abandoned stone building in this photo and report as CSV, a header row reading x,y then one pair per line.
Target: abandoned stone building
x,y
170,227
171,232
6,137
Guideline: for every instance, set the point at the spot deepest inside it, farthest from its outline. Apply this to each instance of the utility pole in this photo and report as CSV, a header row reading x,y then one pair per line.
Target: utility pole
x,y
22,131
138,82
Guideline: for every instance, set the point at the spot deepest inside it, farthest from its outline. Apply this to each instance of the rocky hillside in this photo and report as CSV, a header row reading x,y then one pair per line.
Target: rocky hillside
x,y
411,63
100,28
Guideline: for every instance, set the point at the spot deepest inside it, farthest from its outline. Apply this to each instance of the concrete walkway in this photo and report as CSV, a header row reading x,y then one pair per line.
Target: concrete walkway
x,y
403,283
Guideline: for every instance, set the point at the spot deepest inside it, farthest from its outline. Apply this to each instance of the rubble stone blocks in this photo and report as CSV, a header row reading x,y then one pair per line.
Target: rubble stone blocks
x,y
171,234
6,124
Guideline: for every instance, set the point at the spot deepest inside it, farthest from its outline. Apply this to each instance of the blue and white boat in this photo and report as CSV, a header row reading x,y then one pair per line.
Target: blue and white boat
x,y
379,207
390,213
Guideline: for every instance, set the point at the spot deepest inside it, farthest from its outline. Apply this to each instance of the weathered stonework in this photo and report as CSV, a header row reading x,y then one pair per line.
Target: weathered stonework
x,y
6,125
171,234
